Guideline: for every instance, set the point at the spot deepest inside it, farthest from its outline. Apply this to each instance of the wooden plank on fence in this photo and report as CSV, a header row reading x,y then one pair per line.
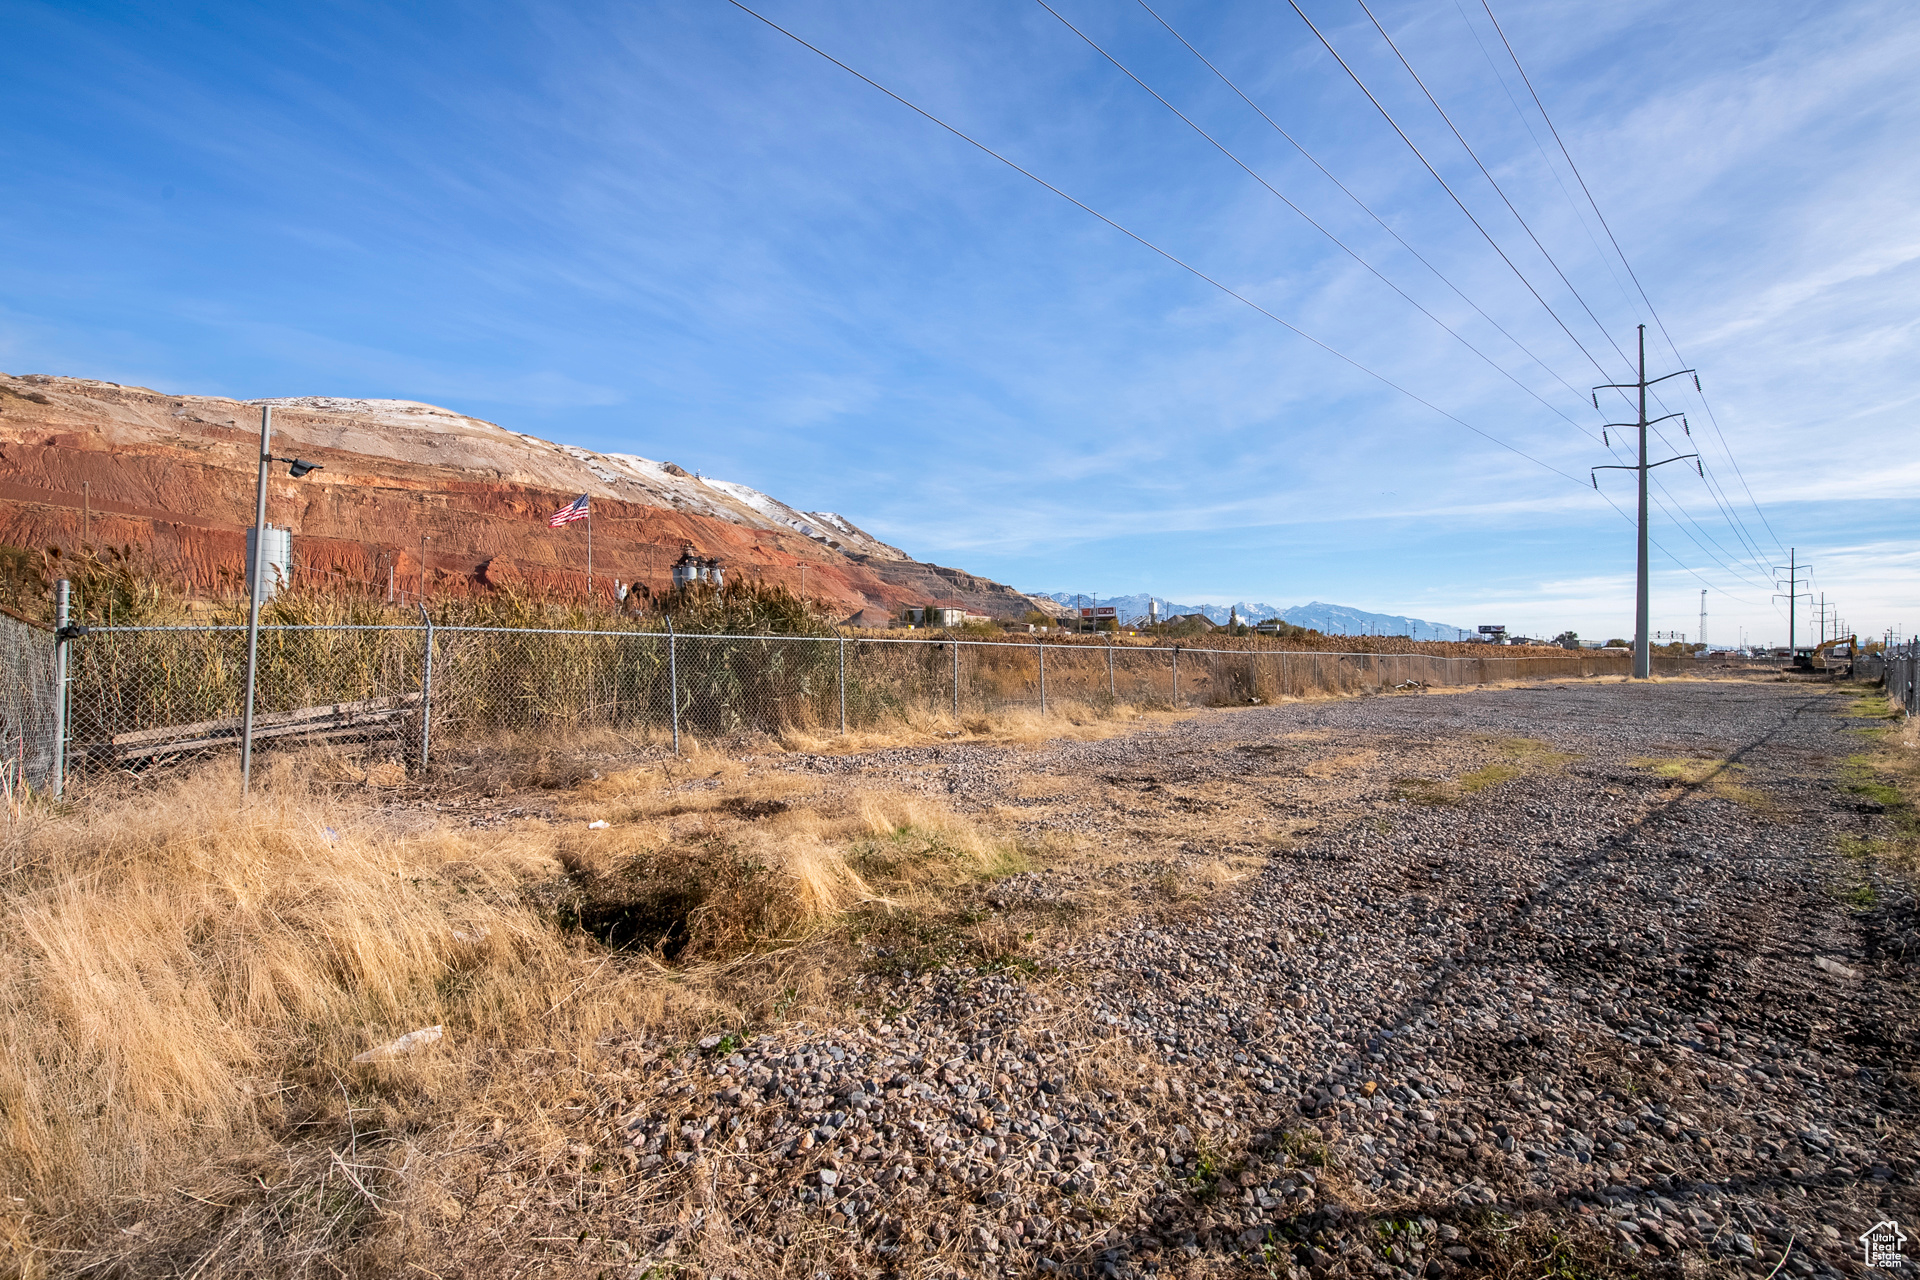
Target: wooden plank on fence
x,y
320,721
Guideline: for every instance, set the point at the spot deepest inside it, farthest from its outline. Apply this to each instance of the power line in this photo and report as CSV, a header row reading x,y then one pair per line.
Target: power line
x,y
1727,563
1634,276
1714,489
1533,134
1492,181
1364,207
1514,210
1661,548
1148,244
1195,271
1308,218
1421,156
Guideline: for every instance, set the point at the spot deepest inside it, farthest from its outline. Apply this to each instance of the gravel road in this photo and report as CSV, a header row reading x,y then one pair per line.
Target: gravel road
x,y
1574,978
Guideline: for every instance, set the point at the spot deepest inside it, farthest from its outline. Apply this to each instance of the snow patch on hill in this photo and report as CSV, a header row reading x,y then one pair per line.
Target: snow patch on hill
x,y
423,433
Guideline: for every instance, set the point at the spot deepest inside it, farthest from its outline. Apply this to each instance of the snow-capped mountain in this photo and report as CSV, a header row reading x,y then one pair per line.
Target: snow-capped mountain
x,y
1329,619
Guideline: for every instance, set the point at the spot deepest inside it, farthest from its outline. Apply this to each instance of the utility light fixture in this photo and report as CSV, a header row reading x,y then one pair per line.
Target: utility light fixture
x,y
256,581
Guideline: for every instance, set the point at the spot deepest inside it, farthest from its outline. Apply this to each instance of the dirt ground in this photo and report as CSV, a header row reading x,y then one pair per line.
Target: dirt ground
x,y
1564,980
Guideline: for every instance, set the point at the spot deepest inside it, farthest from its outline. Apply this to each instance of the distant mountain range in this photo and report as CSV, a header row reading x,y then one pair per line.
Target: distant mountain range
x,y
1329,619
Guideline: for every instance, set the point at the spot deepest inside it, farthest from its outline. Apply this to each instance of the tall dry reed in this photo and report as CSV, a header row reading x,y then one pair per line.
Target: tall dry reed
x,y
171,962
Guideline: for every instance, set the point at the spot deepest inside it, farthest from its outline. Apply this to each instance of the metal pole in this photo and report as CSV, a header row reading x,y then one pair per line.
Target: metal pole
x,y
843,685
255,584
956,682
62,609
426,692
673,682
1176,675
1793,588
1642,660
1110,693
1043,677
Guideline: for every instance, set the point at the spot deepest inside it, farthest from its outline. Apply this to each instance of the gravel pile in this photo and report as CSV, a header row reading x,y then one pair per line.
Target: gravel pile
x,y
1665,1018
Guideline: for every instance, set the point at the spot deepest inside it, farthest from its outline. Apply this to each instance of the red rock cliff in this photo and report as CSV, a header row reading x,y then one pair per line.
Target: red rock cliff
x,y
407,486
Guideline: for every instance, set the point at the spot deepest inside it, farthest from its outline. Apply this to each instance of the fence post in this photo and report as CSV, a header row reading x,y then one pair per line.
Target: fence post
x,y
426,692
1176,675
1110,693
1043,675
62,609
843,685
673,682
956,683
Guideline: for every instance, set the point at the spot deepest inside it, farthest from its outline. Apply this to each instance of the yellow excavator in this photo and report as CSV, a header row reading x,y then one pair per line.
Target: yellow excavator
x,y
1831,656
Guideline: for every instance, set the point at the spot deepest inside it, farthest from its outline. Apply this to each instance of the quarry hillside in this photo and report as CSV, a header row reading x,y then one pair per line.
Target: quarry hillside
x,y
425,492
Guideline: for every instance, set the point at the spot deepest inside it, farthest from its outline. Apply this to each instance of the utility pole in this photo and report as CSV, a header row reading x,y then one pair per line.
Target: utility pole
x,y
1642,660
1703,617
256,583
1792,593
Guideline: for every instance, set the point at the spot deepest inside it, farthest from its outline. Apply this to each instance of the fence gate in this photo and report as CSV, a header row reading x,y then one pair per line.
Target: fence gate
x,y
29,712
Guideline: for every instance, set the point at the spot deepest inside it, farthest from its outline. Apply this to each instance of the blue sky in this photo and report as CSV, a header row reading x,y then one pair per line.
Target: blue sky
x,y
670,230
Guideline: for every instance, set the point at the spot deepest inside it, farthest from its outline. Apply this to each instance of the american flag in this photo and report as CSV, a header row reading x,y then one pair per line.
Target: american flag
x,y
575,510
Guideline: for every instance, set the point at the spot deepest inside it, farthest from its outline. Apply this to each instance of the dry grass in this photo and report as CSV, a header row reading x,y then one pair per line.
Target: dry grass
x,y
1517,757
1512,758
1015,726
187,985
1888,774
1346,762
1430,792
1718,777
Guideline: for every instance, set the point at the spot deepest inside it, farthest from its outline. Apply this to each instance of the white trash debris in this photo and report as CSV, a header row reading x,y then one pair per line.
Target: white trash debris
x,y
598,824
404,1045
1837,969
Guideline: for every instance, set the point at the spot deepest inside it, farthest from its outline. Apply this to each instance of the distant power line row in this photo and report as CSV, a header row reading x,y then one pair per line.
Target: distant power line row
x,y
1749,565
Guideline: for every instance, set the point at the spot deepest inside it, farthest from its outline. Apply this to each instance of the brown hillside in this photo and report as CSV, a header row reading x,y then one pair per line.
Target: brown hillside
x,y
175,475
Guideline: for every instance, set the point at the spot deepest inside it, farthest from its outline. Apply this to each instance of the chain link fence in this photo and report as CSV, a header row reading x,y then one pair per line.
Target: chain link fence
x,y
141,696
1898,668
29,710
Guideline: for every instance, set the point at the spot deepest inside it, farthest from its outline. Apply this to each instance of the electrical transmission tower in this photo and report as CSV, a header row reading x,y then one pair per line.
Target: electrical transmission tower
x,y
1642,660
1792,593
